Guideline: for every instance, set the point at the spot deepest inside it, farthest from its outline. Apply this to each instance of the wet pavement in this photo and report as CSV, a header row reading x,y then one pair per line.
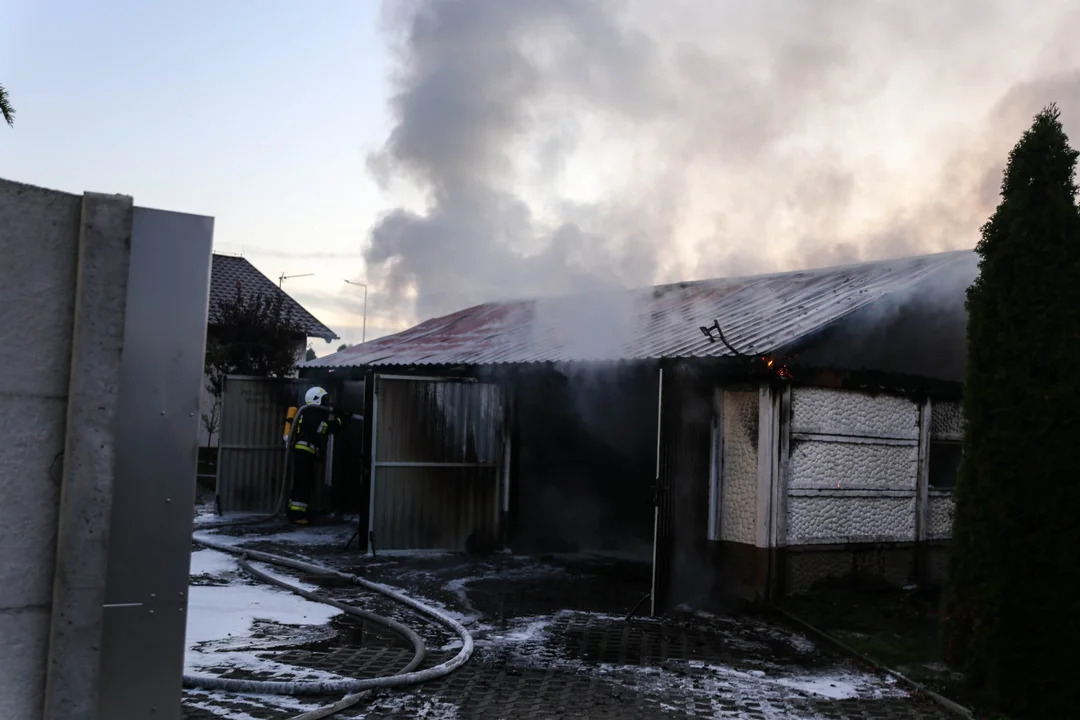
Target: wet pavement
x,y
552,641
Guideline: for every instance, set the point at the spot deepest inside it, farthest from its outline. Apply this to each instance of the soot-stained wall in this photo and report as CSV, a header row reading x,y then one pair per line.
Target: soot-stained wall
x,y
585,458
683,571
919,332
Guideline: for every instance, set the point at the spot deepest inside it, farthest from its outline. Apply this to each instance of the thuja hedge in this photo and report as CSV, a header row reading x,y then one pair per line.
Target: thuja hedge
x,y
1011,612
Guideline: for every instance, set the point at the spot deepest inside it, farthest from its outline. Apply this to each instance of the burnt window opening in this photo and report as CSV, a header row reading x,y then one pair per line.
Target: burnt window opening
x,y
944,463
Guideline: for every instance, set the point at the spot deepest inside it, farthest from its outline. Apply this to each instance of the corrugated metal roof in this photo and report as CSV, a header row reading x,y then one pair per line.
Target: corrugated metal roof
x,y
759,315
227,272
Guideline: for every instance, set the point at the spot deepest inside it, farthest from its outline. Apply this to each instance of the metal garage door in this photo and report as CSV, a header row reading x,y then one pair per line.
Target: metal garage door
x,y
437,464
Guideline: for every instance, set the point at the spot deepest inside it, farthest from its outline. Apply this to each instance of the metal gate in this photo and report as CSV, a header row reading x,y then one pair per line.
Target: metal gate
x,y
683,448
438,463
251,453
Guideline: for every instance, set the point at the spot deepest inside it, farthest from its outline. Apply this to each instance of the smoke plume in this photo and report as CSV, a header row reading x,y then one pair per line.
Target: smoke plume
x,y
550,146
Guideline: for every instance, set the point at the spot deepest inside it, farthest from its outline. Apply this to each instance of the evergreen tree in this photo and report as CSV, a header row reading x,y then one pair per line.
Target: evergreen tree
x,y
6,110
1011,614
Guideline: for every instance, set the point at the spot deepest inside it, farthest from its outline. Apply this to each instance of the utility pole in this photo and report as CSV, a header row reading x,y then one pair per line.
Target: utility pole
x,y
284,277
363,332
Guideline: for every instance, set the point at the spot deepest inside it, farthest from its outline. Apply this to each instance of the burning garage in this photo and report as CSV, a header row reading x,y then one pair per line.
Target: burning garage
x,y
741,436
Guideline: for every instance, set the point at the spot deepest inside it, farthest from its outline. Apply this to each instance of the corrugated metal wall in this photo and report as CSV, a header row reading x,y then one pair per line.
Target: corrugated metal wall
x,y
251,451
438,450
585,443
680,572
349,470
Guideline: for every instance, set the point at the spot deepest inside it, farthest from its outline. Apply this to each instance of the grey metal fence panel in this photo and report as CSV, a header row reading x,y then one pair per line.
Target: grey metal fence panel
x,y
251,452
438,450
142,639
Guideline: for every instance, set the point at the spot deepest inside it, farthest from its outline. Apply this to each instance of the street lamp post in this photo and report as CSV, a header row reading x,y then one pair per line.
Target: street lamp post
x,y
363,332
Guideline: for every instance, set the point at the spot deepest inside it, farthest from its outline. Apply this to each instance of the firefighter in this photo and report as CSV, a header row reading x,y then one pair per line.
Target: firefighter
x,y
313,428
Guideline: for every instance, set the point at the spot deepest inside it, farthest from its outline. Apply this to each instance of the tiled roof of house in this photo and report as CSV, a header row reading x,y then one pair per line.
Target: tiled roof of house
x,y
229,271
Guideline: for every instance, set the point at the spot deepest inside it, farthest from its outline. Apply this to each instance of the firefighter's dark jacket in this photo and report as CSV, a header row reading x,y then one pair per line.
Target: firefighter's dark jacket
x,y
313,428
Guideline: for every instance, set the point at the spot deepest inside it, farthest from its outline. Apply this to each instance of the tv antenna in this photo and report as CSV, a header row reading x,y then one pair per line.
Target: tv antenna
x,y
284,277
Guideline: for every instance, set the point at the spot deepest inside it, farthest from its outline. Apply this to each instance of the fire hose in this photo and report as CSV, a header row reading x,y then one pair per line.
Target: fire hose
x,y
355,689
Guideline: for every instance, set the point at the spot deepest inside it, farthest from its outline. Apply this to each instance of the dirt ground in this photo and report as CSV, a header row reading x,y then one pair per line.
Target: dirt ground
x,y
551,641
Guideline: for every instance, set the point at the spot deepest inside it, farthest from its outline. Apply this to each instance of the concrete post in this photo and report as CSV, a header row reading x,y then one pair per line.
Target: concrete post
x,y
82,539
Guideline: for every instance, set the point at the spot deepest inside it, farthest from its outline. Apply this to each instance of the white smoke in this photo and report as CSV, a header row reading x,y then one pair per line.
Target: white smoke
x,y
559,146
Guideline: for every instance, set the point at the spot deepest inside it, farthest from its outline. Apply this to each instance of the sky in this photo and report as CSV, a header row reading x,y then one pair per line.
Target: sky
x,y
259,114
451,152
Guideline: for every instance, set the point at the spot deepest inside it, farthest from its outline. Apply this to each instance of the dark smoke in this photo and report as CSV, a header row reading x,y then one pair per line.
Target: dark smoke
x,y
919,331
709,110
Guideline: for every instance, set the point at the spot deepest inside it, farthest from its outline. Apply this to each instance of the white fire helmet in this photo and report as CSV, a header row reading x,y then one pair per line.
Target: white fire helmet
x,y
315,395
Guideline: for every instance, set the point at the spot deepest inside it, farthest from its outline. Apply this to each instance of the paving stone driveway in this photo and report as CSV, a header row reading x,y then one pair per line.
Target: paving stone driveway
x,y
552,642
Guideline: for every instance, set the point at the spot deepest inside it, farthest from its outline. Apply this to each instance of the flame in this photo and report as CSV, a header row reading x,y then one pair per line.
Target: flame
x,y
780,370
